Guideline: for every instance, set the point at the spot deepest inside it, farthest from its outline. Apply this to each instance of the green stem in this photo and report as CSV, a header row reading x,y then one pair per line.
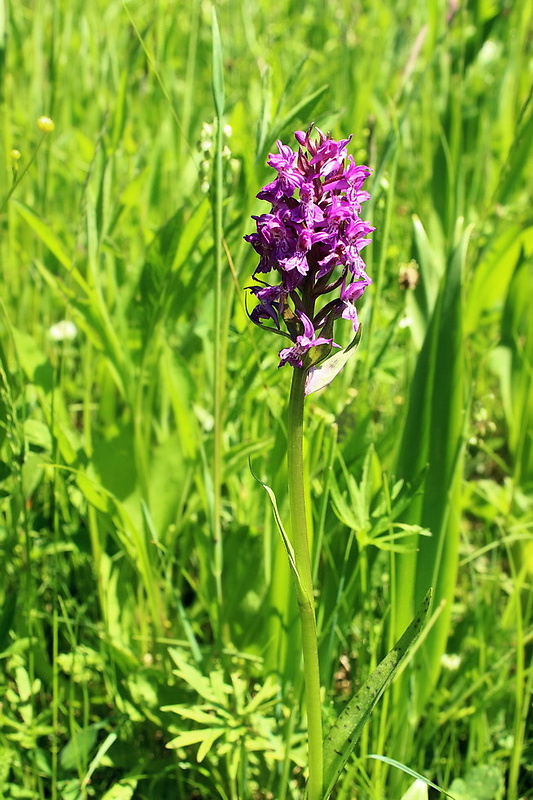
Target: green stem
x,y
22,174
219,358
219,351
304,586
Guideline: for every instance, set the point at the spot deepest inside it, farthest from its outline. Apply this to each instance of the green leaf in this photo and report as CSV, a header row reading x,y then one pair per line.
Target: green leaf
x,y
299,110
319,377
346,730
35,365
45,234
205,736
263,126
77,749
480,783
194,713
209,740
420,303
23,684
37,434
434,436
123,790
286,541
108,742
495,265
418,790
7,613
32,473
95,494
518,157
193,677
516,368
113,461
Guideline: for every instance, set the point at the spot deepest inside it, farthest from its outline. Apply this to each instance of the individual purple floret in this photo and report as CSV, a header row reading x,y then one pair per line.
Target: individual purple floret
x,y
295,355
311,239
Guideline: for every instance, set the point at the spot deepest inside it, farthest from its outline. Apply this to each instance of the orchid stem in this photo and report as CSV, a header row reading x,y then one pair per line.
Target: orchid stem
x,y
304,586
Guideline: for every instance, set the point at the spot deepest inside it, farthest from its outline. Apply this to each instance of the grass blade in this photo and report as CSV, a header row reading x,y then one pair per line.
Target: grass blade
x,y
434,435
408,771
218,70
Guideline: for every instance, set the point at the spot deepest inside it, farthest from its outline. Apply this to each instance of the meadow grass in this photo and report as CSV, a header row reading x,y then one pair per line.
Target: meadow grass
x,y
146,598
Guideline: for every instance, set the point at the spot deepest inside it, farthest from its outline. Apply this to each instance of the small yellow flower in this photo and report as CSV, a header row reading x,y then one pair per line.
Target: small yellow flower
x,y
45,124
15,154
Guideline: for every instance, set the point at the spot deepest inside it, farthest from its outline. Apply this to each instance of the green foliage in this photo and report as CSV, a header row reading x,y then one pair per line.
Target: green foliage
x,y
240,719
343,735
141,566
434,434
480,783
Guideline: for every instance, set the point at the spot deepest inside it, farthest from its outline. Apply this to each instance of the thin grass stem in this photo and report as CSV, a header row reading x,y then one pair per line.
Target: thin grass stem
x,y
22,174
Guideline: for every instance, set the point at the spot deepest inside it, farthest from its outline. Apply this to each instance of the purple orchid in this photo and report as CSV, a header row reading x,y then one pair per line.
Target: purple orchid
x,y
312,238
304,342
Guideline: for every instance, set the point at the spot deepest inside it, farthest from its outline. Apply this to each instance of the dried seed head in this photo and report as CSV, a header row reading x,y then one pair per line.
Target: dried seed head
x,y
408,277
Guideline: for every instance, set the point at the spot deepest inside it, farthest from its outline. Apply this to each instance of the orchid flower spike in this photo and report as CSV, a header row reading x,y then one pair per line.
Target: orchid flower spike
x,y
311,239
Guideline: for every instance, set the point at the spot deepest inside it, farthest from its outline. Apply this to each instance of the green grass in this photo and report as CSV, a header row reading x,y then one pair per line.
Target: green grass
x,y
145,596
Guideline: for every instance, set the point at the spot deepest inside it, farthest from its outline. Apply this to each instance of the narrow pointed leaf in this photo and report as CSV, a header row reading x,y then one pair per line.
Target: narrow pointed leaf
x,y
45,234
286,541
408,771
344,733
434,436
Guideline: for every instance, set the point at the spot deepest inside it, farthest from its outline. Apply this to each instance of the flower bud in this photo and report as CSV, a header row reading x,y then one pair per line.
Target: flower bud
x,y
45,124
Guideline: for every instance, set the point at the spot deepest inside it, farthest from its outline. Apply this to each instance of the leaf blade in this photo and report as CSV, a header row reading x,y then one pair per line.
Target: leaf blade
x,y
343,735
321,376
218,69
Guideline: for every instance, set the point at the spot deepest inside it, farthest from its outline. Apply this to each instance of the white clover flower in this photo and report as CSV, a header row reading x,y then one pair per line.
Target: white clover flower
x,y
489,53
63,331
450,661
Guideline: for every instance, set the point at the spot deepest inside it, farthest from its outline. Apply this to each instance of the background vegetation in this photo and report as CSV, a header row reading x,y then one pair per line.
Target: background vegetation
x,y
145,598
